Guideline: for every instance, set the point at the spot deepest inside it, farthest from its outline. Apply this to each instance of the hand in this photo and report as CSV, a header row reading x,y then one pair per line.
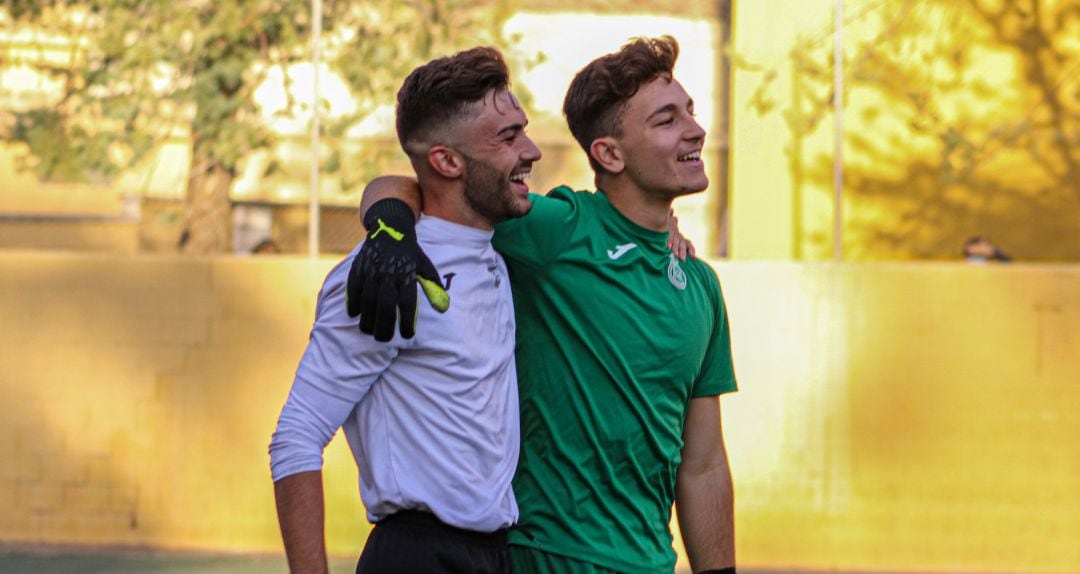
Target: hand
x,y
382,281
679,245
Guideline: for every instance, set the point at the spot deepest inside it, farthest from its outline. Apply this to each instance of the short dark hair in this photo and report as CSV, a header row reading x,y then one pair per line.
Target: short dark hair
x,y
596,101
442,89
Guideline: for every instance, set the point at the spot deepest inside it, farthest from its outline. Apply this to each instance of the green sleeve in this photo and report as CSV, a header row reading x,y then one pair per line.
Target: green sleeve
x,y
717,375
536,238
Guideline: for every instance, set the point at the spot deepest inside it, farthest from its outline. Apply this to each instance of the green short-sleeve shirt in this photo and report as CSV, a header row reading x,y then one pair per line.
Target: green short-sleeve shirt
x,y
615,336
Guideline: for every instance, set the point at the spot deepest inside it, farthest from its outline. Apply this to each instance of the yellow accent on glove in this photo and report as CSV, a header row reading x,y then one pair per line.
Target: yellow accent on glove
x,y
397,235
436,295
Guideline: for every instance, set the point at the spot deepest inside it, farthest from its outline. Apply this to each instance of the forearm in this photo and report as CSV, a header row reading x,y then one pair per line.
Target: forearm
x,y
299,499
392,187
705,505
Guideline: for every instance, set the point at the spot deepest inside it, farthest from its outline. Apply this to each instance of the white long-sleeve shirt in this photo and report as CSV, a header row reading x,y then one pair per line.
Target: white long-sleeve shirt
x,y
433,421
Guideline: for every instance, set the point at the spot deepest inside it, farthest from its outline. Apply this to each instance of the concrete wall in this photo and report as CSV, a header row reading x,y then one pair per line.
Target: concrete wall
x,y
140,395
909,417
918,417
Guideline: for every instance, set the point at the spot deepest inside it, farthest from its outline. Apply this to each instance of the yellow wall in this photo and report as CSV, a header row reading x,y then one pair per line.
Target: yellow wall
x,y
140,394
929,91
906,417
899,417
766,176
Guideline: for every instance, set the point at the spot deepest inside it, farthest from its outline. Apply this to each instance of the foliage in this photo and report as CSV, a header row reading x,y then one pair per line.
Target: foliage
x,y
135,72
962,118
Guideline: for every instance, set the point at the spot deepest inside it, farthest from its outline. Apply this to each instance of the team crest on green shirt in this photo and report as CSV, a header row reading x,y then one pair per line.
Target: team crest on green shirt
x,y
675,274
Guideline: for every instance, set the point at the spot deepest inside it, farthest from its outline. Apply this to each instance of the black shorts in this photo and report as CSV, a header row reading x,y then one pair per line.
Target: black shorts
x,y
411,542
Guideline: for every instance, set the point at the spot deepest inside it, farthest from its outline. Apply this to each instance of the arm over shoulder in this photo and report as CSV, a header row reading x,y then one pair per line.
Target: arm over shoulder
x,y
539,236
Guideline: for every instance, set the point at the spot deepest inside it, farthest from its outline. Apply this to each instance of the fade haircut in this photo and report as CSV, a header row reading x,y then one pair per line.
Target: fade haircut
x,y
596,101
441,91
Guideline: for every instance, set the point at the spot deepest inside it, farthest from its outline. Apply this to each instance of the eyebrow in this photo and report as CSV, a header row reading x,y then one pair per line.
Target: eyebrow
x,y
667,108
511,128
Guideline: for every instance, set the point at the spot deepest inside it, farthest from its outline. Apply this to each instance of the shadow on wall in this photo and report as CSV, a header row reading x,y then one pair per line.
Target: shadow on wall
x,y
148,393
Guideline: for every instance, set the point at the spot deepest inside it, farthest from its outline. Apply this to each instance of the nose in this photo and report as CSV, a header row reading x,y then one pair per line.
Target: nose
x,y
694,131
531,153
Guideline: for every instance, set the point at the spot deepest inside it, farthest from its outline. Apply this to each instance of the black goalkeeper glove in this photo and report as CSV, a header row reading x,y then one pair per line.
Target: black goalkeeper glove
x,y
382,280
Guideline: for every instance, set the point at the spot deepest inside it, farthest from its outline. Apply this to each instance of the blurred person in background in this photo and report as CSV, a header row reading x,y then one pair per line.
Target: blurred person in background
x,y
266,247
979,249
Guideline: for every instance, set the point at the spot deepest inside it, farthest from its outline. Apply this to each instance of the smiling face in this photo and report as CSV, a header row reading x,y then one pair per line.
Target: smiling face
x,y
661,141
498,158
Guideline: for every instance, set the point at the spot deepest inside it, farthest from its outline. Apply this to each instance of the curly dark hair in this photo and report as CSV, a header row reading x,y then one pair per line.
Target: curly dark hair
x,y
441,90
596,101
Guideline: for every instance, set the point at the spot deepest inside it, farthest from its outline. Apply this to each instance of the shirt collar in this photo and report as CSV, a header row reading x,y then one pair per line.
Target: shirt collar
x,y
432,228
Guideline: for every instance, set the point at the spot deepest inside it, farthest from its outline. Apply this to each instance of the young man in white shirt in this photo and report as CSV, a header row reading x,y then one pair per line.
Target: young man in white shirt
x,y
432,419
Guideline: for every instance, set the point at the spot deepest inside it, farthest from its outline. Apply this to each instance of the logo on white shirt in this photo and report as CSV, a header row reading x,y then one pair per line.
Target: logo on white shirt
x,y
620,250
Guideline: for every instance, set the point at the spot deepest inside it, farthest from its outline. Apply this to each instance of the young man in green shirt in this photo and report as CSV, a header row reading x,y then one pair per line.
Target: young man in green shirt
x,y
622,349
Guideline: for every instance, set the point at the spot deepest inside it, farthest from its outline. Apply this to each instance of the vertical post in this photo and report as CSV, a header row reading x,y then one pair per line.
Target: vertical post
x,y
313,203
838,132
721,238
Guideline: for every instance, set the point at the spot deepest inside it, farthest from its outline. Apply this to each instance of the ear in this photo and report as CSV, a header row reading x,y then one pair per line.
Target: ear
x,y
608,154
445,161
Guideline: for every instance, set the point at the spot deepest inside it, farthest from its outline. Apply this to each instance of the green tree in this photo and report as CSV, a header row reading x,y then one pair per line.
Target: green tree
x,y
135,71
962,118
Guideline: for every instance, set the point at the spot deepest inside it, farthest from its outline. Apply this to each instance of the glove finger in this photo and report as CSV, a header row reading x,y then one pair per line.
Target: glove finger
x,y
408,311
354,286
425,268
429,280
368,305
436,295
386,311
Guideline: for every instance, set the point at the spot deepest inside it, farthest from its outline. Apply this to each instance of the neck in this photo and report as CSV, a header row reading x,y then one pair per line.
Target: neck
x,y
446,200
635,204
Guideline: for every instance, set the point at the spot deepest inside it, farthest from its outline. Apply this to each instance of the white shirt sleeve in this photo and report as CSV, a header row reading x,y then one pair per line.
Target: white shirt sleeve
x,y
337,370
